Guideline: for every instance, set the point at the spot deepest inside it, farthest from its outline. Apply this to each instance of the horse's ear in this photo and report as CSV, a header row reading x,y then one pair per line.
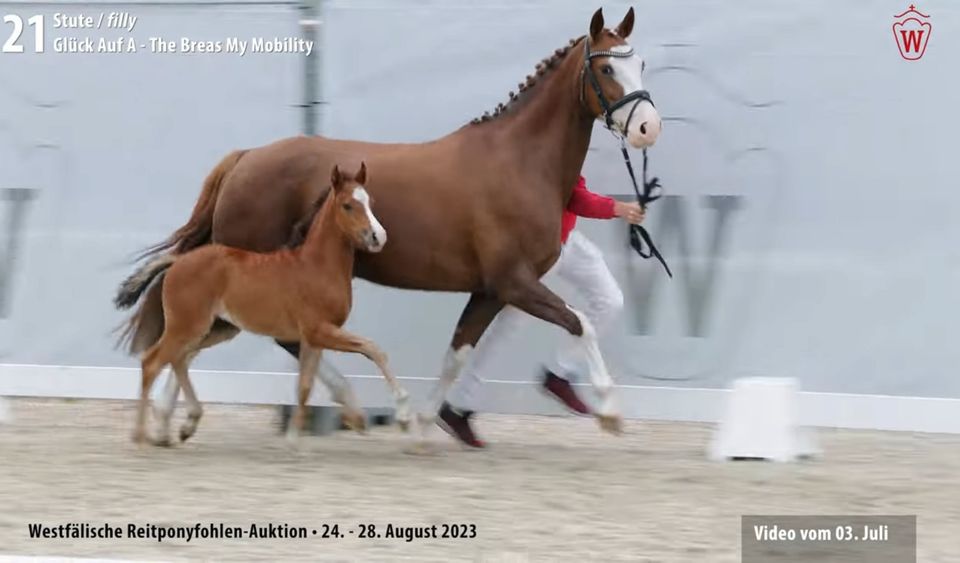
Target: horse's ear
x,y
361,177
625,28
596,25
336,177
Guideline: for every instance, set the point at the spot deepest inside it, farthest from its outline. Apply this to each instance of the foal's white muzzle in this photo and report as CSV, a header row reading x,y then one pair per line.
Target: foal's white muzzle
x,y
375,240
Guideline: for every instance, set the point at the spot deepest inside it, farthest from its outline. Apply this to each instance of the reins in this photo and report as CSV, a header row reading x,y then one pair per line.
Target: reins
x,y
640,238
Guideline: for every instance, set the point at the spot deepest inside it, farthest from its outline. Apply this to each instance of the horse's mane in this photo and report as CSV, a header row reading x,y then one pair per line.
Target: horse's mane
x,y
542,69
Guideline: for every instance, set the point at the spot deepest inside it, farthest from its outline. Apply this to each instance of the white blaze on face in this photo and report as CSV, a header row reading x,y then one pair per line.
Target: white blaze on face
x,y
645,123
360,194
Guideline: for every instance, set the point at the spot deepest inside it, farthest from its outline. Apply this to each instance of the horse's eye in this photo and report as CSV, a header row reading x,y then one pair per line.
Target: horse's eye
x,y
606,69
347,206
643,66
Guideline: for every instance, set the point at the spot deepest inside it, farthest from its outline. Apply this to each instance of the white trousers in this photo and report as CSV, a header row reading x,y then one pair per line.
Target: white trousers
x,y
581,265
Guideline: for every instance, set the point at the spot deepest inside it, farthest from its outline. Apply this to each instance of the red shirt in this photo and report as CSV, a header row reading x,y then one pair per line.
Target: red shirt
x,y
584,203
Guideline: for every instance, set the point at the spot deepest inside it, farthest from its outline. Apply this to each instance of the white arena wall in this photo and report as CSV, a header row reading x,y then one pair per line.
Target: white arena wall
x,y
810,218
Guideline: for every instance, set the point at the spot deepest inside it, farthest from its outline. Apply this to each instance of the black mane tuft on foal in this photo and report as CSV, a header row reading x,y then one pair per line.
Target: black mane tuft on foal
x,y
298,234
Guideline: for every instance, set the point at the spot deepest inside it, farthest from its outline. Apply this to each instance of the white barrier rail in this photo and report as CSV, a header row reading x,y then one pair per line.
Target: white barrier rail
x,y
837,410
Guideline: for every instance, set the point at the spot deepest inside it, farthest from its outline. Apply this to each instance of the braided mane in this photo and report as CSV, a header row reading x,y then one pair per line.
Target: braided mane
x,y
542,69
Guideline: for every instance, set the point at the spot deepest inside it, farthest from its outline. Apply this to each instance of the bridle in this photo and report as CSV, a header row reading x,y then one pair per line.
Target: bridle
x,y
652,189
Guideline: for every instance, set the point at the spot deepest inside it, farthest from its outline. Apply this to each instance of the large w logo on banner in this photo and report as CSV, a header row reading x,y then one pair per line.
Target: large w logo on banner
x,y
912,34
715,226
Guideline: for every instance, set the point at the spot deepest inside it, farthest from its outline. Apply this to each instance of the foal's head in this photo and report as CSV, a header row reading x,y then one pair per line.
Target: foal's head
x,y
353,210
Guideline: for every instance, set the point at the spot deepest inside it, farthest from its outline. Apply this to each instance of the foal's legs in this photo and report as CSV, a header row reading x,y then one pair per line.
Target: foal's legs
x,y
150,367
531,296
309,357
164,352
335,338
339,386
194,410
220,331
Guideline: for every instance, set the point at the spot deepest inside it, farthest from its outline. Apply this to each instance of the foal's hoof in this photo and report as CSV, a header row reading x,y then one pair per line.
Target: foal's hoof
x,y
189,427
355,421
611,423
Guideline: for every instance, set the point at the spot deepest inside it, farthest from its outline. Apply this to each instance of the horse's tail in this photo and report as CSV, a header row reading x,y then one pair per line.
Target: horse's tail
x,y
133,287
198,229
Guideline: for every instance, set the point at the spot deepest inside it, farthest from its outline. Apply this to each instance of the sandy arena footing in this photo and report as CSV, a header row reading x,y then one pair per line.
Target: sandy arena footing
x,y
548,488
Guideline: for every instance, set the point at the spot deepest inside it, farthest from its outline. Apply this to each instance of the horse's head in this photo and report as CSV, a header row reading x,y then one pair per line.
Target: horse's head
x,y
612,85
353,209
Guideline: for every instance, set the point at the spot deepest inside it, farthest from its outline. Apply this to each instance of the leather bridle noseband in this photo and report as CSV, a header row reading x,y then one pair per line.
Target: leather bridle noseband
x,y
652,190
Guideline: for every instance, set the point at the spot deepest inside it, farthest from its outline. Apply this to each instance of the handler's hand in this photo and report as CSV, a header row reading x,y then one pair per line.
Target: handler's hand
x,y
629,212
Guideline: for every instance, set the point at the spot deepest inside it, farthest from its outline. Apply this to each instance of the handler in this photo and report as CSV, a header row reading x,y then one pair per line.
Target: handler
x,y
580,264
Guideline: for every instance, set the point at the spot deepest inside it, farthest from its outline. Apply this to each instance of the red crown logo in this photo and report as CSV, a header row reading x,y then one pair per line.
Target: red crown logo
x,y
912,33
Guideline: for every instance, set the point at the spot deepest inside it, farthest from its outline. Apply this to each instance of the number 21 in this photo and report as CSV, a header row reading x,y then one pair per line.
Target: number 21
x,y
11,45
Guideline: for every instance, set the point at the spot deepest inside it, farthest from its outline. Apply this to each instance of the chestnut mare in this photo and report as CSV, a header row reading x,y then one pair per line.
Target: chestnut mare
x,y
301,295
476,211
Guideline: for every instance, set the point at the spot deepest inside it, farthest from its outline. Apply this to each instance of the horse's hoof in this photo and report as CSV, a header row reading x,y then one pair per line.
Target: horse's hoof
x,y
164,442
404,425
140,439
185,434
611,423
294,446
419,449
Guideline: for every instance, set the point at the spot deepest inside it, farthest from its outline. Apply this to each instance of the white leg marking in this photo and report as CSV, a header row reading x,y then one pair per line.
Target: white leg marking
x,y
194,409
163,407
293,435
402,398
599,376
453,362
339,387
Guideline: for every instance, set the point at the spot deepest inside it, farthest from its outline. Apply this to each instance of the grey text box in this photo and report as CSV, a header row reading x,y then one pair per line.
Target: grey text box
x,y
828,539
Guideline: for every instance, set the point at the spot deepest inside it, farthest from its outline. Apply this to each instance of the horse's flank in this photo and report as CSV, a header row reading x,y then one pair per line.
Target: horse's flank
x,y
438,197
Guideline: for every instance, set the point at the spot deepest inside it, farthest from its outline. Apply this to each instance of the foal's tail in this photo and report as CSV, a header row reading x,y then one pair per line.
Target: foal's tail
x,y
145,326
197,230
133,287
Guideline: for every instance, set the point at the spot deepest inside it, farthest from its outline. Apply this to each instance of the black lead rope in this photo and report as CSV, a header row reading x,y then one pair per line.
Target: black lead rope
x,y
640,238
652,191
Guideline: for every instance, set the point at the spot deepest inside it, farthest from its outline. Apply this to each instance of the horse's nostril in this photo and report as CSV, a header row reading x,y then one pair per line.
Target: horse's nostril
x,y
643,128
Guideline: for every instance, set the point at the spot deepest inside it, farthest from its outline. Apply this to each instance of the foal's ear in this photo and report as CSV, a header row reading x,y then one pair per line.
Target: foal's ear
x,y
625,27
361,176
336,177
596,25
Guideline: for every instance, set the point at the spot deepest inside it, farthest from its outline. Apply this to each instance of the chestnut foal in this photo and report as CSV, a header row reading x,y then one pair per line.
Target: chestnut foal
x,y
302,294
